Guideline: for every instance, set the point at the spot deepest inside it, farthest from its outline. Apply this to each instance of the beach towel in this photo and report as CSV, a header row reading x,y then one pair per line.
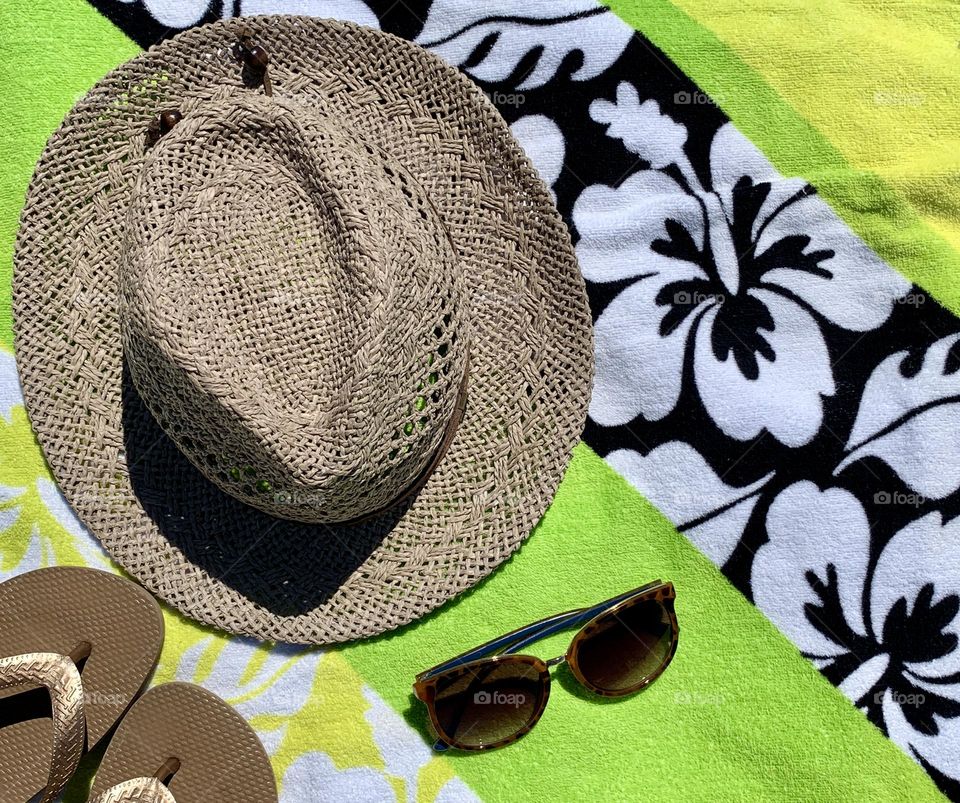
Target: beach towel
x,y
765,203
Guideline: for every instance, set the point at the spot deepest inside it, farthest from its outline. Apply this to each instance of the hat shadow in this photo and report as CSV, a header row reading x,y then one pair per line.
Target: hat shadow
x,y
288,567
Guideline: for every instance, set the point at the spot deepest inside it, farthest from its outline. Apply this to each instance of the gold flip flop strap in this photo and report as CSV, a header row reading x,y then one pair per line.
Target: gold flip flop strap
x,y
58,674
137,790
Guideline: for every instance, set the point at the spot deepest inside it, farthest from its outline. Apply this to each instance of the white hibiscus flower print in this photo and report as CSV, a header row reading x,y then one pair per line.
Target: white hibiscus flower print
x,y
185,13
887,634
10,393
683,486
175,13
734,279
404,752
490,40
314,776
542,140
909,417
352,10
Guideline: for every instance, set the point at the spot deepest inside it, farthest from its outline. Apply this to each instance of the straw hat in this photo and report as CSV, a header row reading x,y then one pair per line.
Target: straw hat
x,y
304,340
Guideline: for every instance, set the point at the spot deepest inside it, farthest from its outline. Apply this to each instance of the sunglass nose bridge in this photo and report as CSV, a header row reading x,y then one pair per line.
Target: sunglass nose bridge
x,y
558,660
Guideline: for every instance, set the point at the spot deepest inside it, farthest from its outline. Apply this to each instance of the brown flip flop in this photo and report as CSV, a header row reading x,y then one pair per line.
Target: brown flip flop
x,y
181,743
76,647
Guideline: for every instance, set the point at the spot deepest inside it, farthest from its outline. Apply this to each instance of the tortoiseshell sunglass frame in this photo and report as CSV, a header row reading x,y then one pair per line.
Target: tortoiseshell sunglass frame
x,y
500,650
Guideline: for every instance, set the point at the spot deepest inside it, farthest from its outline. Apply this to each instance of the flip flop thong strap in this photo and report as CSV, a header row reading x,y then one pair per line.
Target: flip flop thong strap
x,y
137,790
60,677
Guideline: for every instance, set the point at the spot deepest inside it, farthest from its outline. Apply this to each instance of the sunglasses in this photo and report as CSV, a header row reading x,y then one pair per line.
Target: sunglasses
x,y
490,696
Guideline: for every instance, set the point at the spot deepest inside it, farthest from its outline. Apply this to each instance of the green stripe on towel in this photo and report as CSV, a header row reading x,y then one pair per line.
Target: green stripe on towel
x,y
739,714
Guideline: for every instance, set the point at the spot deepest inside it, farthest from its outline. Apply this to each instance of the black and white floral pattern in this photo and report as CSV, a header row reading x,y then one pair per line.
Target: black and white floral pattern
x,y
492,42
786,398
883,626
733,276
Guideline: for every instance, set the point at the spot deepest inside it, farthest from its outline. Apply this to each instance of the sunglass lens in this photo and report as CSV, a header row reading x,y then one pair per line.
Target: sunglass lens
x,y
488,703
623,648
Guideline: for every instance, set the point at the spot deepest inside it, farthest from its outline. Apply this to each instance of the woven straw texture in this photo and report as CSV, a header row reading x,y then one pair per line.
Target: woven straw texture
x,y
313,359
358,232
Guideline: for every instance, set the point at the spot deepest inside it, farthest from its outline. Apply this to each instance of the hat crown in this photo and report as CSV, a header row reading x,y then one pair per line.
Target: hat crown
x,y
292,313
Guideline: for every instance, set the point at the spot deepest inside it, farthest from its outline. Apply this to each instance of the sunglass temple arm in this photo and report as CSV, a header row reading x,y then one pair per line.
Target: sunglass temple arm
x,y
564,621
517,639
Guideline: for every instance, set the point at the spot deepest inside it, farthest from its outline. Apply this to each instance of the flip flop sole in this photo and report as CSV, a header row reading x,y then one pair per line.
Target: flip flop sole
x,y
179,724
59,610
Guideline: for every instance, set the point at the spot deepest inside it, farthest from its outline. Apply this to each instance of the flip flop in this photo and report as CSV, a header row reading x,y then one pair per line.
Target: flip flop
x,y
76,647
180,743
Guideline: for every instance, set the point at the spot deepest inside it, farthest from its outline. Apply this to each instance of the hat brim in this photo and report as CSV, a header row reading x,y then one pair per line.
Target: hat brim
x,y
207,554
